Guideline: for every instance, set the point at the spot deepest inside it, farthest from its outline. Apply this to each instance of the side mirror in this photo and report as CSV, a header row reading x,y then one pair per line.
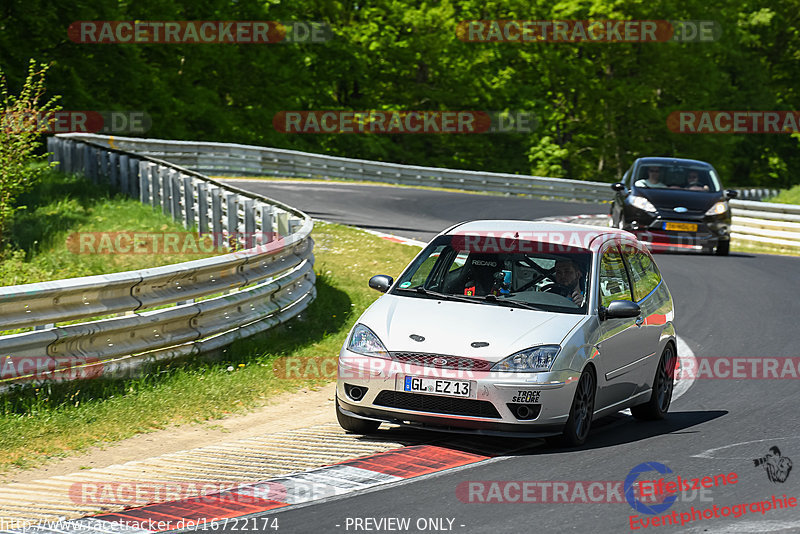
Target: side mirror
x,y
381,282
620,309
731,193
619,186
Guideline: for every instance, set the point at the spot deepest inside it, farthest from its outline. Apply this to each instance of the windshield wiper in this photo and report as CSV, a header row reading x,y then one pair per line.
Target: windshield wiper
x,y
512,302
472,298
444,296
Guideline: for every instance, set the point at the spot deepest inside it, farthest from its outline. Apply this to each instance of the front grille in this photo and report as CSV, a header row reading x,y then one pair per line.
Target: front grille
x,y
425,359
435,404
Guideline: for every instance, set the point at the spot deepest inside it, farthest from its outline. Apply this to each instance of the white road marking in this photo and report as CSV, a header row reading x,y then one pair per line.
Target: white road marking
x,y
709,454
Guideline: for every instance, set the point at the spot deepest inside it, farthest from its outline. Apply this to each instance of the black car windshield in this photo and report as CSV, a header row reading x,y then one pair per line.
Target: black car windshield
x,y
501,272
687,177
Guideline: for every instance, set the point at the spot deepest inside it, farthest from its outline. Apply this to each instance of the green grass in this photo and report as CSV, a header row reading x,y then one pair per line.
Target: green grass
x,y
787,196
59,419
61,206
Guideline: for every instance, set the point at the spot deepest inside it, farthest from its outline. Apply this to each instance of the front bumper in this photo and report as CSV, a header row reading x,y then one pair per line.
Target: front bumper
x,y
650,229
547,396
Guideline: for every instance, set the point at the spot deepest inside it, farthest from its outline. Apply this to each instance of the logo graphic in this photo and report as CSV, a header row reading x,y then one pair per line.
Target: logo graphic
x,y
681,209
439,361
630,489
777,467
417,337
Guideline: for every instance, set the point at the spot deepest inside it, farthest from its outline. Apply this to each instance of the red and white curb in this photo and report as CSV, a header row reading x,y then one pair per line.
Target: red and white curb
x,y
396,239
322,483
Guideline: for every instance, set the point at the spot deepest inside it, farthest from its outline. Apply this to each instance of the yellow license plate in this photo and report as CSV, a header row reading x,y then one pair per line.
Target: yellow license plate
x,y
680,227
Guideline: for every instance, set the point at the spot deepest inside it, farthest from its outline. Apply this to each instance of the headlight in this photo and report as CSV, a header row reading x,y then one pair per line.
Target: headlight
x,y
532,360
643,204
364,341
718,209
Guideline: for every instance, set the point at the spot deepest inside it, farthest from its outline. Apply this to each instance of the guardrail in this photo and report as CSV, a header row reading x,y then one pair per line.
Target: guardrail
x,y
766,223
266,278
232,159
238,160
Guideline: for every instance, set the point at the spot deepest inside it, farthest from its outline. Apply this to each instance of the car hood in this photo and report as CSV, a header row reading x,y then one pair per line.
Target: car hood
x,y
451,327
672,198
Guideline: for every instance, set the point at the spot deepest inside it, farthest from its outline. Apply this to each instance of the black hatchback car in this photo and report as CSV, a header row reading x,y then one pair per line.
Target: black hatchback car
x,y
674,204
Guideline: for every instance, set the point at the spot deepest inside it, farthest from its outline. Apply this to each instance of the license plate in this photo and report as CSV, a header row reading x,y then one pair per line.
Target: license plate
x,y
437,386
680,227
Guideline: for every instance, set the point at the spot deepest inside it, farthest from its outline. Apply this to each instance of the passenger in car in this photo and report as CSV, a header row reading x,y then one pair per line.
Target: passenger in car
x,y
693,182
653,178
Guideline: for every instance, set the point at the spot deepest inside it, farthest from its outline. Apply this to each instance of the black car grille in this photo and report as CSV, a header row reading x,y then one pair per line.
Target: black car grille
x,y
426,359
435,404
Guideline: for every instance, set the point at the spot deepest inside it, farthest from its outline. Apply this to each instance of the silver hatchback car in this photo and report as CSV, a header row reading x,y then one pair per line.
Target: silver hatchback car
x,y
513,327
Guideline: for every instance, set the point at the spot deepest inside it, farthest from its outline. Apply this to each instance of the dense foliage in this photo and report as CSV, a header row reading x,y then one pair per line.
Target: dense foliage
x,y
20,166
600,104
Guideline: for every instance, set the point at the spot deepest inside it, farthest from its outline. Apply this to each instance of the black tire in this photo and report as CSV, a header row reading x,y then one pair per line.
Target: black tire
x,y
352,424
579,422
658,405
723,248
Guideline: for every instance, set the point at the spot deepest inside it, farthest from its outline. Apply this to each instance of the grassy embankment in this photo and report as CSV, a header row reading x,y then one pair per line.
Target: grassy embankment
x,y
58,419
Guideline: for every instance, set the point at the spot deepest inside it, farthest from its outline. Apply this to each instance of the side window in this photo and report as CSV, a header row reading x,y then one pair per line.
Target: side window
x,y
626,179
424,270
614,284
643,271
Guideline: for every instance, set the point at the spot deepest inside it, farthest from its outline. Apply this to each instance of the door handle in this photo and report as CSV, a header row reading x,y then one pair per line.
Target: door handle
x,y
639,321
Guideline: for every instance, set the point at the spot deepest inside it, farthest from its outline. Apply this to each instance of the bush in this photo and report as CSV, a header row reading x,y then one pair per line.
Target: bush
x,y
20,137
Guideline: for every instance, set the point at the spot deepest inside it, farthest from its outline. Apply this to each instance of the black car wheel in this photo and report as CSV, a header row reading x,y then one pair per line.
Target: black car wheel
x,y
723,248
353,424
580,415
663,383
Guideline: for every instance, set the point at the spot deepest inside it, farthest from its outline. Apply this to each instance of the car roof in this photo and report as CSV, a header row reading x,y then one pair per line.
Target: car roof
x,y
650,160
498,227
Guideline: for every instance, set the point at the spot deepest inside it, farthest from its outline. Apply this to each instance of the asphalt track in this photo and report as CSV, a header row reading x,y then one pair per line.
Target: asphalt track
x,y
744,305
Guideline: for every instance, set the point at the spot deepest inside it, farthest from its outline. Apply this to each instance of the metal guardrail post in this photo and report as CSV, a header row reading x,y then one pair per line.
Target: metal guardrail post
x,y
267,233
232,208
68,157
216,214
155,185
124,174
249,223
175,195
133,183
166,190
283,224
188,201
103,164
145,181
202,207
113,163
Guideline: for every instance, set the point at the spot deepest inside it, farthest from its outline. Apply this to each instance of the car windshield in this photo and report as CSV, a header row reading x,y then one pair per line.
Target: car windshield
x,y
686,177
497,272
